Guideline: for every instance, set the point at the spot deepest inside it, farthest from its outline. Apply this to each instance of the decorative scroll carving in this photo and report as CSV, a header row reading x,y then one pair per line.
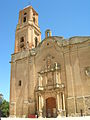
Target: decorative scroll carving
x,y
48,63
49,76
56,66
33,52
87,71
50,67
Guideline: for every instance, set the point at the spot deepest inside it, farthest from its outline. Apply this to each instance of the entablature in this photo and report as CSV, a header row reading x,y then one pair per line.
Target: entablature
x,y
54,87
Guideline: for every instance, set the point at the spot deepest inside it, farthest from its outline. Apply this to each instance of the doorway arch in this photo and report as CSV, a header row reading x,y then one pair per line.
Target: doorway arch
x,y
51,107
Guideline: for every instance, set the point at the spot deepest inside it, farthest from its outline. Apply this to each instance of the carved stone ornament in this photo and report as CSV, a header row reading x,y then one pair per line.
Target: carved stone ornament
x,y
30,100
87,71
32,52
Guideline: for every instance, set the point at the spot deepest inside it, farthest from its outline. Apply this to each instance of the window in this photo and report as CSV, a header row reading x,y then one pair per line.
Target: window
x,y
22,42
22,39
36,41
48,34
19,83
25,13
47,43
34,19
24,18
22,45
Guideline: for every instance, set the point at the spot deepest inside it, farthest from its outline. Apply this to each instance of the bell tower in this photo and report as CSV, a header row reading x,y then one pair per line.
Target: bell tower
x,y
28,34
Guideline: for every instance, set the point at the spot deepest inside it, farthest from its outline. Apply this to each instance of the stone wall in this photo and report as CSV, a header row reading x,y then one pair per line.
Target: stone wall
x,y
73,59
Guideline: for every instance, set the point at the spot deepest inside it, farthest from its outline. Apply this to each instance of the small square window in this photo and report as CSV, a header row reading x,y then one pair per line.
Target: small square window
x,y
19,83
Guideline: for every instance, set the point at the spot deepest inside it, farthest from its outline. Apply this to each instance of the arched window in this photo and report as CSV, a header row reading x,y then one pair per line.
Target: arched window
x,y
34,17
25,13
48,34
36,41
22,39
22,42
19,83
24,18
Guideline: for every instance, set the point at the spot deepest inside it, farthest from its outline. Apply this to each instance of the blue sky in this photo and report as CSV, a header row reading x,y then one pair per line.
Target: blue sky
x,y
64,17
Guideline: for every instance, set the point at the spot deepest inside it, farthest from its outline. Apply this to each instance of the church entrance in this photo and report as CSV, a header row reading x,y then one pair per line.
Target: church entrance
x,y
50,107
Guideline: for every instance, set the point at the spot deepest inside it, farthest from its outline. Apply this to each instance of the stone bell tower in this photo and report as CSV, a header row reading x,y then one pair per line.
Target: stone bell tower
x,y
28,33
27,37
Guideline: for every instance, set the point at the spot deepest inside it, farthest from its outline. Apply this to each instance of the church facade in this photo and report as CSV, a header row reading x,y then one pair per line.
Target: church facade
x,y
49,78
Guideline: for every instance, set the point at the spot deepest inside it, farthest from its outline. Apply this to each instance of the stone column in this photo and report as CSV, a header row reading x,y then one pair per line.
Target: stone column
x,y
59,104
40,102
56,75
15,109
63,101
40,82
56,79
60,95
46,79
58,101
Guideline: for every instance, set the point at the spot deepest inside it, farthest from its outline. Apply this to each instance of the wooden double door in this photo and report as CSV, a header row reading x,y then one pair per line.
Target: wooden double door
x,y
51,107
